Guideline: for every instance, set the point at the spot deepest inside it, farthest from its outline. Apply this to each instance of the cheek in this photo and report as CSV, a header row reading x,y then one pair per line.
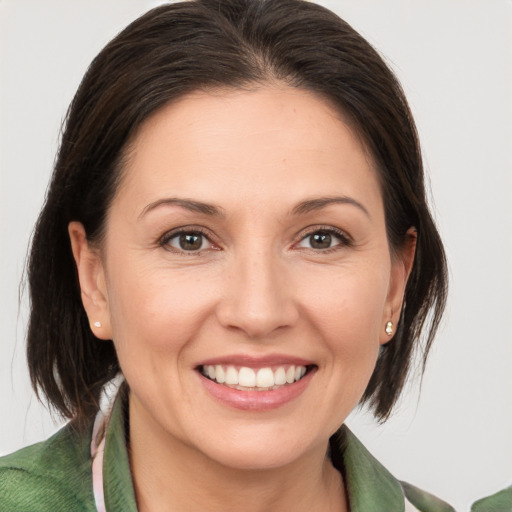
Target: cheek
x,y
155,318
154,310
346,313
349,302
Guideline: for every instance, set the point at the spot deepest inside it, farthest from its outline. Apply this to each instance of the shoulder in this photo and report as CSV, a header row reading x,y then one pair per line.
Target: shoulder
x,y
54,475
499,502
370,486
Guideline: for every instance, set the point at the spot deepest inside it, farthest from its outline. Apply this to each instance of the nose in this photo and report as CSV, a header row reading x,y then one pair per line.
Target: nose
x,y
258,298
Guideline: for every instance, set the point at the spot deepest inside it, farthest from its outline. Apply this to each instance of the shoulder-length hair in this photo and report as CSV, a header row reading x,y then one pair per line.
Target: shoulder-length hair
x,y
202,45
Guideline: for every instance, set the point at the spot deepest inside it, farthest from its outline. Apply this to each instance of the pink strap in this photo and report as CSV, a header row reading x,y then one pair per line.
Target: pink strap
x,y
97,450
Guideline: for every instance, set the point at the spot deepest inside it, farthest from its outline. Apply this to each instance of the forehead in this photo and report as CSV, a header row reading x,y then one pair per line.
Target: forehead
x,y
276,143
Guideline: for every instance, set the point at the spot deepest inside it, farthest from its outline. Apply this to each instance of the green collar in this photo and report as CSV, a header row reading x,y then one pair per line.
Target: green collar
x,y
370,486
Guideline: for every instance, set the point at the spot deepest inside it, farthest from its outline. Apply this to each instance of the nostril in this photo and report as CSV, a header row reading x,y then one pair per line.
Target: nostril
x,y
257,320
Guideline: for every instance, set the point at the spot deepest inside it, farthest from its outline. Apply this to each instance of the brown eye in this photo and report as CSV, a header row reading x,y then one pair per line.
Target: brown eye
x,y
323,239
189,241
320,240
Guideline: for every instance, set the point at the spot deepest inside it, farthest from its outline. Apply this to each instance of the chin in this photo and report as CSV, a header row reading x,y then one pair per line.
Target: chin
x,y
263,448
257,457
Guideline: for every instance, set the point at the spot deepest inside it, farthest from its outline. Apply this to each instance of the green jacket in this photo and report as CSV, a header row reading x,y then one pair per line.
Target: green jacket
x,y
499,502
55,475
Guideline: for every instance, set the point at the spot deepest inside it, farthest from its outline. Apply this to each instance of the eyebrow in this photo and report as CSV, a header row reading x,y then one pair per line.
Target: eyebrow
x,y
187,204
301,208
321,202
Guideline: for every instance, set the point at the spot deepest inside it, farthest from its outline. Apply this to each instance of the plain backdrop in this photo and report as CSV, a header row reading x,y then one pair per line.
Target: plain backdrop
x,y
454,58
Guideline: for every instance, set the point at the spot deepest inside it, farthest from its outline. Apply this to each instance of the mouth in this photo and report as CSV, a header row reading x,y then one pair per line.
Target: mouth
x,y
256,384
265,378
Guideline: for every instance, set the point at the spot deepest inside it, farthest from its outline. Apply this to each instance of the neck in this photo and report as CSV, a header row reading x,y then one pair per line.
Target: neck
x,y
169,475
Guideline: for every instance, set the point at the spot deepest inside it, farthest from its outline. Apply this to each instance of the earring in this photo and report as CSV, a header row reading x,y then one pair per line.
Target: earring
x,y
389,328
97,324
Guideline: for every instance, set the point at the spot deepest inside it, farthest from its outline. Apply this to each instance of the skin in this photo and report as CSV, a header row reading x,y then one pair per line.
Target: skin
x,y
256,287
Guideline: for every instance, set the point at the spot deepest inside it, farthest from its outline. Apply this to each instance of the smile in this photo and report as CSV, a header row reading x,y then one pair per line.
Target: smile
x,y
253,379
256,384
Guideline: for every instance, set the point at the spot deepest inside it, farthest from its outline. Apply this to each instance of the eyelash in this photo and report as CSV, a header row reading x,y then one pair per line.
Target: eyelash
x,y
165,239
345,240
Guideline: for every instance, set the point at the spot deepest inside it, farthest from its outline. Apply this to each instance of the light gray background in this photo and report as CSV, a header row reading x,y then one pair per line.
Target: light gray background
x,y
454,58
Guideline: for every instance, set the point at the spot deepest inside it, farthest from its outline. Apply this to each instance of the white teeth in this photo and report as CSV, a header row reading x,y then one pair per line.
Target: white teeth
x,y
247,377
262,379
220,376
290,375
280,377
265,378
231,376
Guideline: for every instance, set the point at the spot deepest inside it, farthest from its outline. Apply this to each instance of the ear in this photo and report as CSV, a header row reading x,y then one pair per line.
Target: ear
x,y
92,281
401,266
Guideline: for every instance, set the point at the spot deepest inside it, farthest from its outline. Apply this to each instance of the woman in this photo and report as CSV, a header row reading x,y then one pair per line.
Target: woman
x,y
236,222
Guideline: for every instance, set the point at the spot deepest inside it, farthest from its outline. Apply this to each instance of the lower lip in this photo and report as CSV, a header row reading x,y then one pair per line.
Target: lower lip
x,y
256,400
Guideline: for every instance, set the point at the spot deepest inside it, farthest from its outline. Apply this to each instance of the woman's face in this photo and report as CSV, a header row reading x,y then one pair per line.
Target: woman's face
x,y
246,243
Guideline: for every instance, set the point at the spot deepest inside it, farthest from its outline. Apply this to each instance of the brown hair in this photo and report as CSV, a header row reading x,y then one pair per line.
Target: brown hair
x,y
202,44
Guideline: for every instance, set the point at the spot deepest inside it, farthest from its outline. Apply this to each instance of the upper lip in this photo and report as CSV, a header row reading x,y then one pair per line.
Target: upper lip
x,y
251,361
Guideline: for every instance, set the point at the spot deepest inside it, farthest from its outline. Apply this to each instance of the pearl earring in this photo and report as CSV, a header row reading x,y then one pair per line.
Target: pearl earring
x,y
97,324
389,328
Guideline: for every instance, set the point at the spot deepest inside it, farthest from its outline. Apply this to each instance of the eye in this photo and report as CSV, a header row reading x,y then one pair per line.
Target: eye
x,y
323,239
189,241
